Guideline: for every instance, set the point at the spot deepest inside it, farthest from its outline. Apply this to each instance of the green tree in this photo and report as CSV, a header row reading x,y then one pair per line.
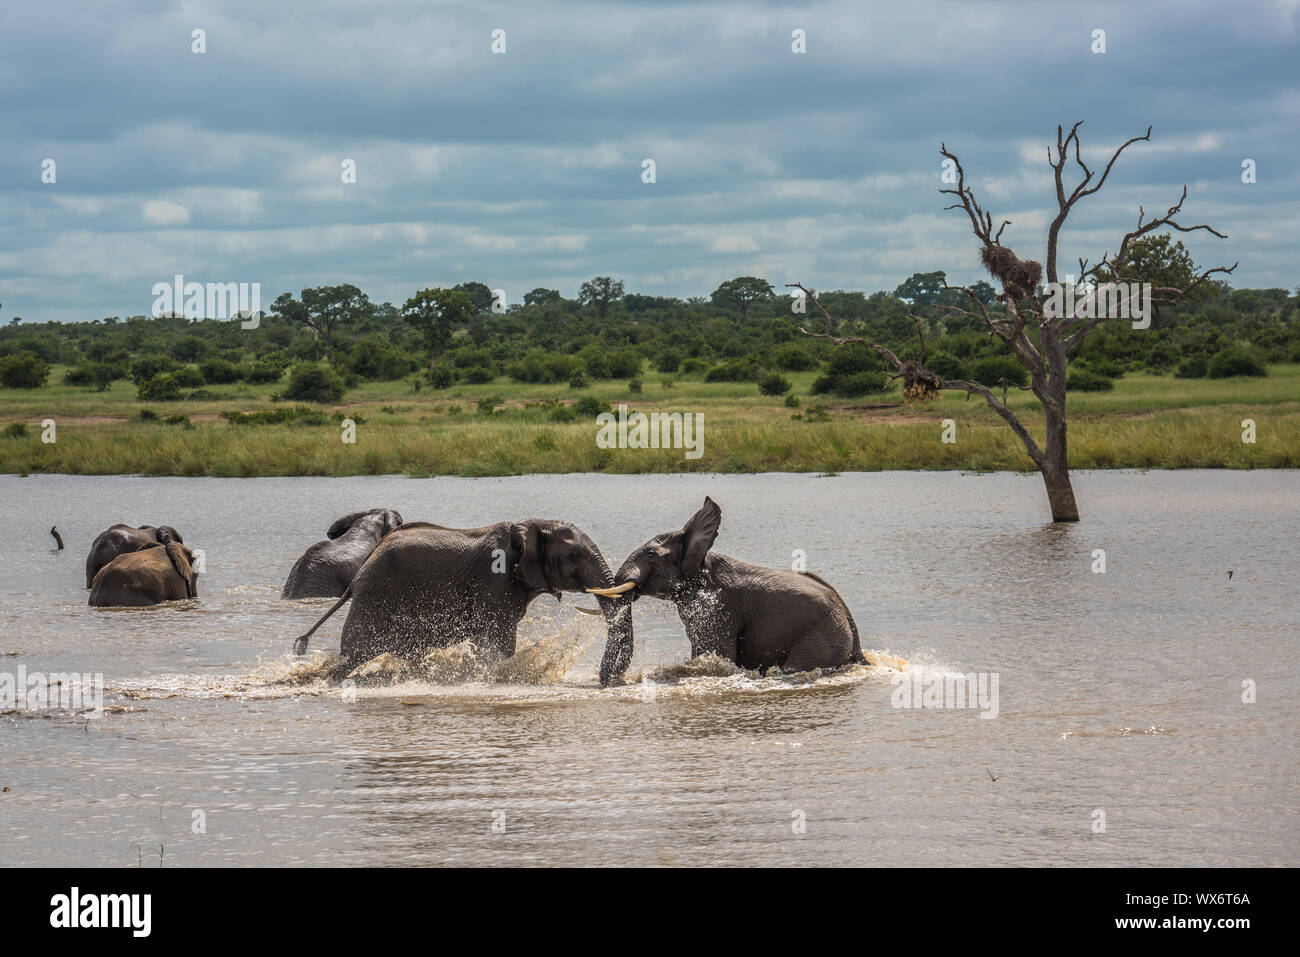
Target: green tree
x,y
923,288
436,313
1165,263
599,293
741,293
323,308
479,294
541,296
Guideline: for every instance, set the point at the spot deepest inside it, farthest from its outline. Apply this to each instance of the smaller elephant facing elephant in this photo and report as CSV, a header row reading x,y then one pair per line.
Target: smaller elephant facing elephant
x,y
757,617
154,574
327,568
120,539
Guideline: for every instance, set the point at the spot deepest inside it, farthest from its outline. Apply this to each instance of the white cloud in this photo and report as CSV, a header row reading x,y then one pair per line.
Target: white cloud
x,y
163,212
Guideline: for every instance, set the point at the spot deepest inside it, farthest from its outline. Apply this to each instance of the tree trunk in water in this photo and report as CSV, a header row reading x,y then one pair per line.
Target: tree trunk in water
x,y
1060,494
1056,465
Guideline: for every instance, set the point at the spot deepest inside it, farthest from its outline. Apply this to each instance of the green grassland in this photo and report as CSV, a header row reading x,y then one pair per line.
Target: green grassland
x,y
1147,421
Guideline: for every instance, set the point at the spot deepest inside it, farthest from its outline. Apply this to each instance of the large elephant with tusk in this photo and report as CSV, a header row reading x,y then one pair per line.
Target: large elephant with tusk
x,y
426,586
757,617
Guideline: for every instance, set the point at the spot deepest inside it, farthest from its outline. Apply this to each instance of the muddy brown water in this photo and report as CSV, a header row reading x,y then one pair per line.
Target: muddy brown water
x,y
1119,694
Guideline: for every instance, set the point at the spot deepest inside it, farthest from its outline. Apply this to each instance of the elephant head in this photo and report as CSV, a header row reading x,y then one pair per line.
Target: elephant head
x,y
555,557
166,534
182,560
386,518
341,525
663,567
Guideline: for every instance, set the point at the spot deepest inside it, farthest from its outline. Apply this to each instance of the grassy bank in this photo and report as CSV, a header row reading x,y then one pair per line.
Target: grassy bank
x,y
1146,422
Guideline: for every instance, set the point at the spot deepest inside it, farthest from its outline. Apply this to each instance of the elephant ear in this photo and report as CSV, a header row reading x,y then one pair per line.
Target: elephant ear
x,y
181,558
699,533
391,520
343,524
527,540
165,534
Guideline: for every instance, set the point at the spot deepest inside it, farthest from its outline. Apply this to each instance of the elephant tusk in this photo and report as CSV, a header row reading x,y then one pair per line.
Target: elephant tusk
x,y
612,592
590,611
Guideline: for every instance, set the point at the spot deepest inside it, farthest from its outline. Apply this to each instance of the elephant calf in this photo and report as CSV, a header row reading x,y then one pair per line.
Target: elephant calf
x,y
326,569
154,574
757,617
120,539
425,586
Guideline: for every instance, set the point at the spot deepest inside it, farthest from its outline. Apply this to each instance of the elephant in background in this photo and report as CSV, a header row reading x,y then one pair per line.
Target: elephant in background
x,y
326,569
426,586
153,574
757,617
121,539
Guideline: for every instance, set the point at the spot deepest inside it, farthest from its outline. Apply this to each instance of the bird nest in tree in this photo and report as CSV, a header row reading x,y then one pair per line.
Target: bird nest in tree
x,y
919,385
1019,277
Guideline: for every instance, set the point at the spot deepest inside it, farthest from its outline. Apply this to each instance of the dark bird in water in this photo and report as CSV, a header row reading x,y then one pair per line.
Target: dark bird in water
x,y
1229,574
58,539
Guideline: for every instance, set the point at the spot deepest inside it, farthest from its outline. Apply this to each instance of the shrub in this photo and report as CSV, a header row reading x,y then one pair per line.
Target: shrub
x,y
774,384
1234,362
795,358
850,386
23,370
100,375
991,370
792,401
288,415
670,360
15,430
1193,367
218,371
589,406
188,377
378,360
488,404
562,413
178,419
1082,379
146,367
622,364
147,415
1162,357
261,371
693,367
734,370
163,387
945,365
441,376
313,382
579,380
852,358
478,375
634,385
539,366
1106,368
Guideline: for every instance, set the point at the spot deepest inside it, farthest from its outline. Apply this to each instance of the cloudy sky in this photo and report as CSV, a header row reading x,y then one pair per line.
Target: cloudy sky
x,y
524,168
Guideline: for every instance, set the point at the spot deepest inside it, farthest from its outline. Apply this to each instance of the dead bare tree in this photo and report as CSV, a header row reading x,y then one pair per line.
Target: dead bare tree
x,y
1022,309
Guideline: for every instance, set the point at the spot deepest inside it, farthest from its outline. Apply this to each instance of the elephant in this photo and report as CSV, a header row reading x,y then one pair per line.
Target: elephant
x,y
426,586
148,576
121,539
326,569
757,617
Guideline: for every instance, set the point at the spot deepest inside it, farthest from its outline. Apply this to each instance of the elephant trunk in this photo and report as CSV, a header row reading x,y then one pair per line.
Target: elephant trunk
x,y
618,640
